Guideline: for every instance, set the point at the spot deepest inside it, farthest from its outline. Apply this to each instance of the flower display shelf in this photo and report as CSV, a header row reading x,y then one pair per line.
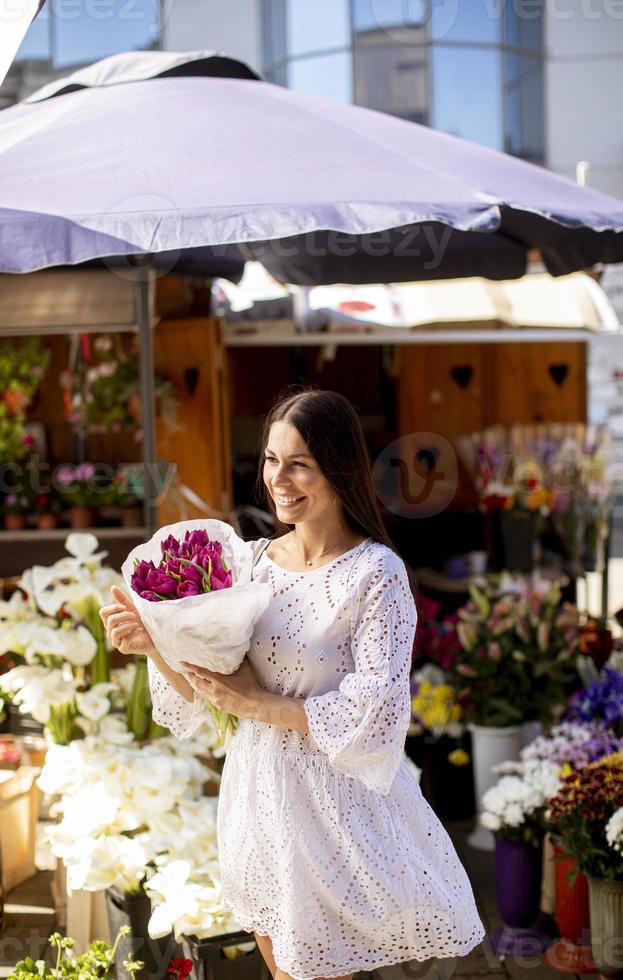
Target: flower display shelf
x,y
210,962
19,809
60,533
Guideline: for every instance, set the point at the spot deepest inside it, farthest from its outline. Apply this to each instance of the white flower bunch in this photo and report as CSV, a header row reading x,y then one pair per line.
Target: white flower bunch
x,y
187,905
79,582
614,830
524,789
35,689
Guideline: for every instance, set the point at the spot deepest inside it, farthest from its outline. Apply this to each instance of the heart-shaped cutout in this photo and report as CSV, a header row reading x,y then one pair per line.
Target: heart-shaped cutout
x,y
558,373
462,374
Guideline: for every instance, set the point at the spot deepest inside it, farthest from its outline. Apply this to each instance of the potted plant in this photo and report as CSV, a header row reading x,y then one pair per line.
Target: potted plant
x,y
514,669
96,962
47,509
79,490
514,810
587,813
186,902
16,507
22,367
103,394
570,745
447,776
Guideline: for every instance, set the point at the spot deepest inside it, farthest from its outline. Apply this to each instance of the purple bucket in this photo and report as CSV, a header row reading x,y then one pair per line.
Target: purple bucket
x,y
518,869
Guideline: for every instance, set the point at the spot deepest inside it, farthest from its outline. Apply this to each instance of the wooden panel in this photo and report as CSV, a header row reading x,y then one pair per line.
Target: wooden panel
x,y
58,297
190,353
537,382
441,388
256,376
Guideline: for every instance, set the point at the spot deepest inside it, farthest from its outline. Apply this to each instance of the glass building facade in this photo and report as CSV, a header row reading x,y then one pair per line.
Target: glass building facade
x,y
472,68
70,33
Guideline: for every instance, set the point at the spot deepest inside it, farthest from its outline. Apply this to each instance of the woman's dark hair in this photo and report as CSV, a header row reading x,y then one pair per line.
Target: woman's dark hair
x,y
330,427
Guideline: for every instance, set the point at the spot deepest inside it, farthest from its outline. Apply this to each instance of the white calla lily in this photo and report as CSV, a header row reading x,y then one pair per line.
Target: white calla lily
x,y
79,645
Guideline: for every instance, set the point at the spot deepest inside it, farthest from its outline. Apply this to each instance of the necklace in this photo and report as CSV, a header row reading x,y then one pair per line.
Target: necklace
x,y
318,557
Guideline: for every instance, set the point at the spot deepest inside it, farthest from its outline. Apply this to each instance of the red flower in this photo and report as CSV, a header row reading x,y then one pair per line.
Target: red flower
x,y
180,968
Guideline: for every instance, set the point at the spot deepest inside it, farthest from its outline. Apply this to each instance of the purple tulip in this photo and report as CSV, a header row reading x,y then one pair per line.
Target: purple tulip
x,y
159,581
170,545
188,588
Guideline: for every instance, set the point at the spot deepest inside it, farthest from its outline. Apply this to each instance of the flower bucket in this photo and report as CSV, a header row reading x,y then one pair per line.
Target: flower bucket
x,y
490,746
606,912
19,724
518,890
135,911
210,962
448,788
572,952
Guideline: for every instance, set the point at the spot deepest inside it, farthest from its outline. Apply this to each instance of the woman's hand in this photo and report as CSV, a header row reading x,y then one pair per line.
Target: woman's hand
x,y
124,626
238,694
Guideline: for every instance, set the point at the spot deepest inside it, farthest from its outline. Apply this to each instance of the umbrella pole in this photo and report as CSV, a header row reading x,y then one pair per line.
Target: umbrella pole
x,y
148,407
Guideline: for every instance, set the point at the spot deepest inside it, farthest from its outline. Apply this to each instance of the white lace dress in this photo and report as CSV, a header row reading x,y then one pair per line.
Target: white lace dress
x,y
326,843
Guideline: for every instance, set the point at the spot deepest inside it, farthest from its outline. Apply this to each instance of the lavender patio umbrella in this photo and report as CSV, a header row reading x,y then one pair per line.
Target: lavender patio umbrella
x,y
156,152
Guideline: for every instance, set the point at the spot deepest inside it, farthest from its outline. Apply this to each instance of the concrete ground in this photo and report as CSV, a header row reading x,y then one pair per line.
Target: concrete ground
x,y
29,919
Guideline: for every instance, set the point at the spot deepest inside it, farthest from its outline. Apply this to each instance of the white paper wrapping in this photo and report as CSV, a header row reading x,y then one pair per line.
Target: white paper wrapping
x,y
212,630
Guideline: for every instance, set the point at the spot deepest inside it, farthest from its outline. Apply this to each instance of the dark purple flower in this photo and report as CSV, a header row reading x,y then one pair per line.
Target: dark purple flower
x,y
170,545
601,701
188,588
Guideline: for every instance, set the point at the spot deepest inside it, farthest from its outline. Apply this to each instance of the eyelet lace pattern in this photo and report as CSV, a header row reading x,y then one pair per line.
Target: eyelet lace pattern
x,y
326,843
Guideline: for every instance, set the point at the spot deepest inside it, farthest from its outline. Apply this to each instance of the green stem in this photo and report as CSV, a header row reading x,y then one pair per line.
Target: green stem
x,y
139,703
100,666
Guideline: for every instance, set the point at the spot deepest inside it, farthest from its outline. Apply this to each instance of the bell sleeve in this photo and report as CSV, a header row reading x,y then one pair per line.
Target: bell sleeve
x,y
171,709
363,724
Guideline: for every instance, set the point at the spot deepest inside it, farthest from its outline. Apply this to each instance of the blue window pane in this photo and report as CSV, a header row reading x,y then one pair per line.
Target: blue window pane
x,y
524,119
36,44
85,32
273,32
393,79
317,25
385,15
523,25
327,75
467,86
474,20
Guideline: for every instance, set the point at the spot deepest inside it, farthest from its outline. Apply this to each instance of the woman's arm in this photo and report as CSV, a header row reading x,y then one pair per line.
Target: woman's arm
x,y
177,681
241,695
284,712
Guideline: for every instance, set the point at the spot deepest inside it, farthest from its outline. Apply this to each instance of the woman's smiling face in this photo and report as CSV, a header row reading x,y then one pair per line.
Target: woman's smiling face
x,y
293,478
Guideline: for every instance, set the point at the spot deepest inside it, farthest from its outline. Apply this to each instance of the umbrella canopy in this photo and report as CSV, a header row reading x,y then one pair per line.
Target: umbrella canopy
x,y
152,158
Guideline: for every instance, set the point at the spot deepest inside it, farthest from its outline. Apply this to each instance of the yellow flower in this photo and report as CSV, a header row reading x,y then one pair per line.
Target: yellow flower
x,y
458,757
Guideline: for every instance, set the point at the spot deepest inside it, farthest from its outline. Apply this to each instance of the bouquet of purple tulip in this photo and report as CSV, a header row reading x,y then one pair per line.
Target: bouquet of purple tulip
x,y
191,584
191,567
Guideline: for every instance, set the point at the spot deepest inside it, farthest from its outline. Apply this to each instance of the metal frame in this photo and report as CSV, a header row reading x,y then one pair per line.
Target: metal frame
x,y
414,336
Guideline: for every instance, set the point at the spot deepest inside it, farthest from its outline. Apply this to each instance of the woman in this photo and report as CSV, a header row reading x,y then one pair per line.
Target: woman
x,y
328,851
